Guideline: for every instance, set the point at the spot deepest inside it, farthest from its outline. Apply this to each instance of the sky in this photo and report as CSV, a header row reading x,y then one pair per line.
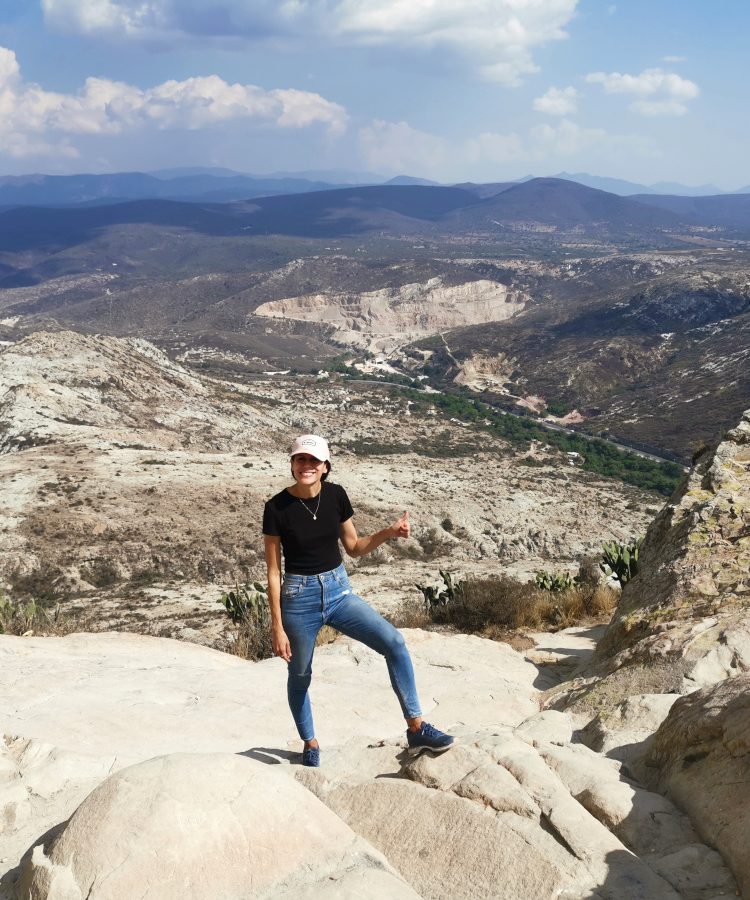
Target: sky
x,y
450,90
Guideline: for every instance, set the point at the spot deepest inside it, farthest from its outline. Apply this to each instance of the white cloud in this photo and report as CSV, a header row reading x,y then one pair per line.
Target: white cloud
x,y
397,147
566,139
658,93
674,59
34,121
557,101
493,148
658,108
496,36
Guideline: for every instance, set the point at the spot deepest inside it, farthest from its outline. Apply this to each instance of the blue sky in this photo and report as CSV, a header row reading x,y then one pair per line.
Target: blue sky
x,y
447,89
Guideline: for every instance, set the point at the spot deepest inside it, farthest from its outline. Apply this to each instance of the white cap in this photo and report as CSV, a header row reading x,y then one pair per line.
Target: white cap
x,y
314,445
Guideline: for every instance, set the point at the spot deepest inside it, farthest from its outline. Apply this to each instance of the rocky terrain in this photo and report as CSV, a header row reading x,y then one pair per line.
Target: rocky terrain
x,y
385,319
649,347
682,622
518,809
133,488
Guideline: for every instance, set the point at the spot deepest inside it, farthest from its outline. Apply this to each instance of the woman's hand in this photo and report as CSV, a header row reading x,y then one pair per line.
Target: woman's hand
x,y
401,526
281,645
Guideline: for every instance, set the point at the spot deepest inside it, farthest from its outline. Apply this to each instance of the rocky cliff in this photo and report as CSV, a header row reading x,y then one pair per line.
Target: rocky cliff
x,y
392,316
684,621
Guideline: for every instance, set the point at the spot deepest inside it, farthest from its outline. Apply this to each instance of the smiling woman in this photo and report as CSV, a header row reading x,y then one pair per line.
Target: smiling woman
x,y
304,523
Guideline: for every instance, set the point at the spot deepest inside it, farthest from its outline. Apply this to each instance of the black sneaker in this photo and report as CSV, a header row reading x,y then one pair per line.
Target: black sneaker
x,y
428,738
311,757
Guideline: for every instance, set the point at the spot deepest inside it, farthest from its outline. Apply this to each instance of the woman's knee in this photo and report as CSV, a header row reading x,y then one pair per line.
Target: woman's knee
x,y
394,644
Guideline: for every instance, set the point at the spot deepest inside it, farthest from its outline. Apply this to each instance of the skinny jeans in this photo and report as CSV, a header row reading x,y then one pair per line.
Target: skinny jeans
x,y
308,602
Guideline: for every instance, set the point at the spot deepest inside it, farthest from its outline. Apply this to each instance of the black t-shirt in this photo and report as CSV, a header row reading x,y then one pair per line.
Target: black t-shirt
x,y
310,545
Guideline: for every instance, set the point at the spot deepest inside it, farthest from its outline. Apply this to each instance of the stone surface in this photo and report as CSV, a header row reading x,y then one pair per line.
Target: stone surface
x,y
204,825
391,317
684,621
79,707
624,731
700,757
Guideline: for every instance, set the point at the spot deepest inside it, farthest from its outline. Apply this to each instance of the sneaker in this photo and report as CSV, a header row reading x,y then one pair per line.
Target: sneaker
x,y
311,757
428,738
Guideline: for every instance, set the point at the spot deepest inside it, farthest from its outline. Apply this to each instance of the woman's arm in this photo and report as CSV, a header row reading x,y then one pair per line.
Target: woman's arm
x,y
361,546
273,570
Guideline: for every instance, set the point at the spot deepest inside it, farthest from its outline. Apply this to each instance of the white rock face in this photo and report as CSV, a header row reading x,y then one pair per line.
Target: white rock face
x,y
203,825
389,317
700,757
53,384
516,810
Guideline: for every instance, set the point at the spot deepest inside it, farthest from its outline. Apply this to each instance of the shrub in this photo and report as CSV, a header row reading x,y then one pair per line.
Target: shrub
x,y
21,617
247,608
494,607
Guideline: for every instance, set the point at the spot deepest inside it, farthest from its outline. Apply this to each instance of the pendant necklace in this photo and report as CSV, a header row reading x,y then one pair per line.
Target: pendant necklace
x,y
317,505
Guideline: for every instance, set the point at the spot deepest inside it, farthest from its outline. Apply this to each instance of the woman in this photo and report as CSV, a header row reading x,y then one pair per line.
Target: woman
x,y
305,522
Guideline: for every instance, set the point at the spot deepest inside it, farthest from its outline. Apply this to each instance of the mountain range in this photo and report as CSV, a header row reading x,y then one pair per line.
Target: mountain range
x,y
220,185
540,208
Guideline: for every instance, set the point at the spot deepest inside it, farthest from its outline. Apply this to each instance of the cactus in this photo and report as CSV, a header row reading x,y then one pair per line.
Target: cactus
x,y
434,597
17,617
247,603
621,560
556,584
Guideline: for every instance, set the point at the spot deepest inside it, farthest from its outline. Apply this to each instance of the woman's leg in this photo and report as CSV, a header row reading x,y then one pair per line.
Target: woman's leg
x,y
302,630
357,619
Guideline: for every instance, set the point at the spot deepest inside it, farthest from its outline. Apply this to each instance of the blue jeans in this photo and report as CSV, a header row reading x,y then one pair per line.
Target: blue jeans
x,y
308,602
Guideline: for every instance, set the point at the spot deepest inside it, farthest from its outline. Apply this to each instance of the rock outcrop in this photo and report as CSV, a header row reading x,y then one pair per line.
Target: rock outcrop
x,y
53,385
517,810
390,317
700,757
684,621
205,825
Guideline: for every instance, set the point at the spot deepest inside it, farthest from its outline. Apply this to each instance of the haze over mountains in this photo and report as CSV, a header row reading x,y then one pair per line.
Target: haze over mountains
x,y
542,206
219,185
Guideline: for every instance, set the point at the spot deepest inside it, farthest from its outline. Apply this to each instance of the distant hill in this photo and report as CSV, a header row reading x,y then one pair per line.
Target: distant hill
x,y
563,205
683,190
612,185
541,207
730,211
410,179
192,185
391,208
332,176
628,188
483,191
183,171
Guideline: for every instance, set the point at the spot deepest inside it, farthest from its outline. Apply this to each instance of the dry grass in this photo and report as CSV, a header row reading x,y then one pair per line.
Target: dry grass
x,y
252,641
497,607
32,618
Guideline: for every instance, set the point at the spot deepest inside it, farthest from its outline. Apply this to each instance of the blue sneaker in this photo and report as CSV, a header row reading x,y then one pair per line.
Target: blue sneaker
x,y
311,757
428,738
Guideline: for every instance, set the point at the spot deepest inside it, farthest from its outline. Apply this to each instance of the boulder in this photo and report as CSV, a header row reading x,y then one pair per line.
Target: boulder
x,y
700,757
683,622
205,825
497,816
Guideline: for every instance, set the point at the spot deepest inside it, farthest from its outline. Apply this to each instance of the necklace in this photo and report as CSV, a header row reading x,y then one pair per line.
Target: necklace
x,y
317,505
